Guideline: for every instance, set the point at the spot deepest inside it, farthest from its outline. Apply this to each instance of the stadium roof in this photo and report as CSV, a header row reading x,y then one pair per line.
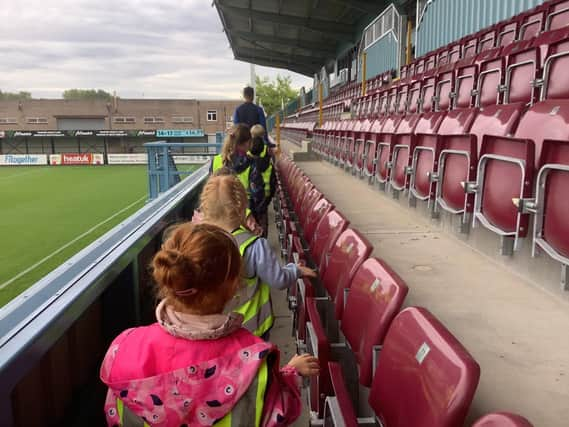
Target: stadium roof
x,y
299,35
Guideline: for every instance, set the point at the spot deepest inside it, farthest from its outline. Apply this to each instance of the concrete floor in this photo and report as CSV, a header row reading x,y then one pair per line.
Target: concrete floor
x,y
517,331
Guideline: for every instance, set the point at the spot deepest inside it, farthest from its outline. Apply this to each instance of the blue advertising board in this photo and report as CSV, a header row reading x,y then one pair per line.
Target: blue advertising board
x,y
179,133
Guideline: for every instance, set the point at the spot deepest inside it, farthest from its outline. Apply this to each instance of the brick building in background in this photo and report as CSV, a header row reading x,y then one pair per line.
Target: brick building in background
x,y
119,126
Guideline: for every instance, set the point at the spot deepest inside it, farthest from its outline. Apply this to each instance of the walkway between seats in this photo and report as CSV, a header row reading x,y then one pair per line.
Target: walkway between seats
x,y
518,333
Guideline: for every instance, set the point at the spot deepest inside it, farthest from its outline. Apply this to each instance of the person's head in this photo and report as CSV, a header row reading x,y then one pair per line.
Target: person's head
x,y
224,201
248,94
257,130
257,146
198,268
238,139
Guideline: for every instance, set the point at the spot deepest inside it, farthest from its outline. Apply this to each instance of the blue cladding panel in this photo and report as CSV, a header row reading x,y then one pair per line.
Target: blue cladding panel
x,y
448,20
381,56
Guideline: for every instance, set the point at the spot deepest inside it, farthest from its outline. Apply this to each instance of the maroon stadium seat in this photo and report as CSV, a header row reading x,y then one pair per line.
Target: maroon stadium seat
x,y
557,16
507,33
459,156
403,144
531,25
420,359
502,419
339,410
554,48
522,66
376,290
384,148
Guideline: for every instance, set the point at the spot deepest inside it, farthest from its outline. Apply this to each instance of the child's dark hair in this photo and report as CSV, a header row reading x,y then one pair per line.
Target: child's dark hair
x,y
258,145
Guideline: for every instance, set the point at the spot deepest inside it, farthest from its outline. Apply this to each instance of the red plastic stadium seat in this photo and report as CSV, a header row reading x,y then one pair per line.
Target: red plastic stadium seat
x,y
551,228
339,410
459,155
403,144
421,360
346,255
531,25
384,148
469,47
522,66
490,75
554,47
376,290
487,40
507,33
502,419
557,16
427,149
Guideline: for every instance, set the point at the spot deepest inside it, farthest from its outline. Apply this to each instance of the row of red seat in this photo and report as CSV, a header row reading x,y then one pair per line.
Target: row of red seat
x,y
551,15
351,314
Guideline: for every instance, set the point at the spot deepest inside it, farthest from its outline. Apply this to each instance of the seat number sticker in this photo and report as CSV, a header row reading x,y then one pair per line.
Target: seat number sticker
x,y
375,284
422,353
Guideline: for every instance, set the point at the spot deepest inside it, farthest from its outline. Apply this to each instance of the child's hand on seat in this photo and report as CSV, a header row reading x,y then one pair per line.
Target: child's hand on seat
x,y
253,225
307,272
306,364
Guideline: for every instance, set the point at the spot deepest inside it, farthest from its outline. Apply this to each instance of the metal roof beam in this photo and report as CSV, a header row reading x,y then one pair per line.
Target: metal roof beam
x,y
363,6
321,49
331,29
268,54
306,69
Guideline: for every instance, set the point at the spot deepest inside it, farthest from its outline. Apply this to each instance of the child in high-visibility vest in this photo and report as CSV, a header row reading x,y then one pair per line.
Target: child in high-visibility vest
x,y
223,203
263,165
195,365
235,156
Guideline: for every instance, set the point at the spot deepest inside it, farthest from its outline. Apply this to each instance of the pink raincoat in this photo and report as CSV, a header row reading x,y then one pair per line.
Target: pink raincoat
x,y
166,376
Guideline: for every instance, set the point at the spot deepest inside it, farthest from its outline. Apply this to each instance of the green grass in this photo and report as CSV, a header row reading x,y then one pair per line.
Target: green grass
x,y
45,208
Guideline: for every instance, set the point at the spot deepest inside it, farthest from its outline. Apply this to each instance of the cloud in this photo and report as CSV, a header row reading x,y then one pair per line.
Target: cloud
x,y
155,49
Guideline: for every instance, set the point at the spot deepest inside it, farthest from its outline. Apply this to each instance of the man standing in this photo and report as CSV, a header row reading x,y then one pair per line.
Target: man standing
x,y
248,112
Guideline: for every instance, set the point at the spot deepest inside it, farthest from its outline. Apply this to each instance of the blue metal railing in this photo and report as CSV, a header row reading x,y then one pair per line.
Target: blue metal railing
x,y
53,336
162,171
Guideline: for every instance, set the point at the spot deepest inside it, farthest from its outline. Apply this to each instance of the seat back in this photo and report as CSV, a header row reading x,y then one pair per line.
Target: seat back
x,y
346,255
502,419
329,228
490,77
531,25
313,217
307,204
554,47
421,359
522,66
552,187
505,171
547,119
557,16
487,41
507,34
378,291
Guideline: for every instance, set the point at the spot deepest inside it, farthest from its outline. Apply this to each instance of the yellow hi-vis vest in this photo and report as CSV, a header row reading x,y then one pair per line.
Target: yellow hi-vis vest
x,y
267,173
243,176
257,309
251,402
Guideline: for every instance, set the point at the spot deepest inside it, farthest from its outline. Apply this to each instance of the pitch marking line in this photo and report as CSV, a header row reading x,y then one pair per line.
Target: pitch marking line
x,y
62,248
7,177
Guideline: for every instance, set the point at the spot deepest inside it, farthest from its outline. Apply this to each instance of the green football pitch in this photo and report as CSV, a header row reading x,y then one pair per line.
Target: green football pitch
x,y
47,214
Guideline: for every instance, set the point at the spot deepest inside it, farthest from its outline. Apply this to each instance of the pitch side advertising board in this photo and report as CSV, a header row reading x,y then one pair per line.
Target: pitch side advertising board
x,y
76,159
127,159
23,159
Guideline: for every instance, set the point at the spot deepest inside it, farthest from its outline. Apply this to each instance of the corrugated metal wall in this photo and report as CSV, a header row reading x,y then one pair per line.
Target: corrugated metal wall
x,y
447,20
381,56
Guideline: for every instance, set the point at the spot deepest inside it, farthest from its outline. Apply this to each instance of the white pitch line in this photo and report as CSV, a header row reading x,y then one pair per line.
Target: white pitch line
x,y
41,261
5,178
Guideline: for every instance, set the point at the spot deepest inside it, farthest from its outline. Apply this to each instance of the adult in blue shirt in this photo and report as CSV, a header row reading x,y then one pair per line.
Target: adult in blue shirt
x,y
250,113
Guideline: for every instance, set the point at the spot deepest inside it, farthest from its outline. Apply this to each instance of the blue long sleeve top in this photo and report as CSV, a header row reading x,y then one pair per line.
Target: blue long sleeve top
x,y
261,261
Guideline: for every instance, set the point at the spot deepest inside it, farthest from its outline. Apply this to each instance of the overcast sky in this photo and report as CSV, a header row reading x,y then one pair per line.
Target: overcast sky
x,y
150,48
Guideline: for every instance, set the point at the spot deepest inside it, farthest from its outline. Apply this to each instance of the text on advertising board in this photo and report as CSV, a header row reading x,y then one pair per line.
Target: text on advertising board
x,y
179,133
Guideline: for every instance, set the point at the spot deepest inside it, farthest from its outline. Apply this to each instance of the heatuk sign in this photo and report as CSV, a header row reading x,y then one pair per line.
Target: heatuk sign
x,y
23,159
179,133
76,159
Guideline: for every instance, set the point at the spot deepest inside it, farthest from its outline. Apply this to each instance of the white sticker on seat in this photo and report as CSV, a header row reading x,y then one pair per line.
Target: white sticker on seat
x,y
375,284
422,353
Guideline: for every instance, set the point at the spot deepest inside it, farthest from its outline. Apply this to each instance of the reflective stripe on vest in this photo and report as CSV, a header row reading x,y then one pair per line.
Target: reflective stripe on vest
x,y
257,309
250,405
243,176
267,173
